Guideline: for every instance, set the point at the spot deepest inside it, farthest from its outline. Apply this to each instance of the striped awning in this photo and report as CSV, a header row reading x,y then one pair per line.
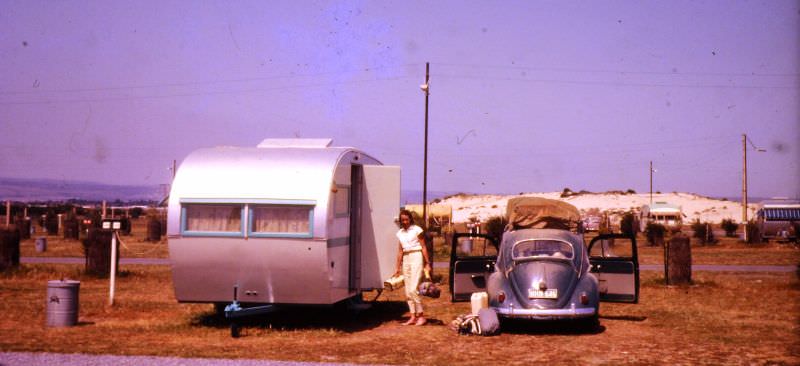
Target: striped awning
x,y
781,214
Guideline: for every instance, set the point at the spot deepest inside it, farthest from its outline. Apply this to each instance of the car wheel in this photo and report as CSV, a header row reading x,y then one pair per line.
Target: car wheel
x,y
592,324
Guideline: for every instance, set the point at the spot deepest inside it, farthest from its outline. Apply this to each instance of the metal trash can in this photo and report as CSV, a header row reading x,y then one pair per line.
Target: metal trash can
x,y
62,303
41,244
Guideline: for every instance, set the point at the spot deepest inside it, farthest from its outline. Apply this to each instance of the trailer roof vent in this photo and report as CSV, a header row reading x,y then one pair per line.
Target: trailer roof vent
x,y
317,143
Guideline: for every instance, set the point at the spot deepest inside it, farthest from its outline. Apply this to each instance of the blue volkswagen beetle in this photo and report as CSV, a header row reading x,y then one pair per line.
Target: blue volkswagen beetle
x,y
543,269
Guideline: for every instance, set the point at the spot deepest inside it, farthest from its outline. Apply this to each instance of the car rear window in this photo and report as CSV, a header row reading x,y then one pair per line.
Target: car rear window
x,y
542,249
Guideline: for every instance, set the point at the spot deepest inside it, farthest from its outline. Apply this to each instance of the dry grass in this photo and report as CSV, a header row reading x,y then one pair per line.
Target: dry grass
x,y
730,318
133,246
728,251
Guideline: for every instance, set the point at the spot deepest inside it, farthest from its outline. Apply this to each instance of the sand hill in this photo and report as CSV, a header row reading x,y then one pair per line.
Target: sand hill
x,y
483,206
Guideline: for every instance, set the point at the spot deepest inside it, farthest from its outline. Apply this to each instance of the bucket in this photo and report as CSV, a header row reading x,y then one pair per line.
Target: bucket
x,y
394,283
479,300
62,303
41,244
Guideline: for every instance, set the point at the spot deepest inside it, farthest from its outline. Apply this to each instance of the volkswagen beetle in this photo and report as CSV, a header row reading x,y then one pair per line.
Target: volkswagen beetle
x,y
543,269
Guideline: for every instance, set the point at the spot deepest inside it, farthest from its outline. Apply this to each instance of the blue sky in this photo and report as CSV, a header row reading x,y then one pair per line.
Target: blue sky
x,y
525,96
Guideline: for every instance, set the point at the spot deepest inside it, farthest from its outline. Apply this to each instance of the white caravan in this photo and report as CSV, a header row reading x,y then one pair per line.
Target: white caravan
x,y
291,221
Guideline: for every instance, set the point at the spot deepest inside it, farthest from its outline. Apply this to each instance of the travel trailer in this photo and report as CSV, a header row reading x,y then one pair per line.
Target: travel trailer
x,y
291,221
778,219
662,213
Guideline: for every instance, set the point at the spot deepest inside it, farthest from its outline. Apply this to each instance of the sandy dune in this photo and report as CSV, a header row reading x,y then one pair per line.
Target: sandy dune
x,y
694,207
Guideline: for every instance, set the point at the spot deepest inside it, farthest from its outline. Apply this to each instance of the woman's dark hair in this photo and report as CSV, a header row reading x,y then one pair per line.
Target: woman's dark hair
x,y
407,213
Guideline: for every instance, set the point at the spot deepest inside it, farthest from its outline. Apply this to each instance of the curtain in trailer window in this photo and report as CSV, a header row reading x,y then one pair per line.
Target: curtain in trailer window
x,y
214,218
281,219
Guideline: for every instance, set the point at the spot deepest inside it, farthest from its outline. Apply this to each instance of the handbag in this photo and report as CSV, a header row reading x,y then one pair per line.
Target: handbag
x,y
428,288
394,283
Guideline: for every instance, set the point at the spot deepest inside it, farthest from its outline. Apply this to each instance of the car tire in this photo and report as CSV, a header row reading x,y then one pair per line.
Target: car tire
x,y
592,324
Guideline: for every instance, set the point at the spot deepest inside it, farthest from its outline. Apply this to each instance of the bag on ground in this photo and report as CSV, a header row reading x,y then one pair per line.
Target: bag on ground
x,y
485,323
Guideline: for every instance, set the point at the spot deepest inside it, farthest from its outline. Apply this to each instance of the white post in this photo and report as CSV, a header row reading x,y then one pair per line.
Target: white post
x,y
113,276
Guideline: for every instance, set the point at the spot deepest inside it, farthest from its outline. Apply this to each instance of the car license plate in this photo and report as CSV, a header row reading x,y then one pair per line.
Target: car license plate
x,y
551,293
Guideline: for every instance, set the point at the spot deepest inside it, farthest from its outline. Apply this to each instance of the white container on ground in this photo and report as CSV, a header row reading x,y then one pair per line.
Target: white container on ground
x,y
479,300
41,244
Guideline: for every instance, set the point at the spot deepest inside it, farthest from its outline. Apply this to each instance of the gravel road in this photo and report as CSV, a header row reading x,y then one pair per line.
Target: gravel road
x,y
47,359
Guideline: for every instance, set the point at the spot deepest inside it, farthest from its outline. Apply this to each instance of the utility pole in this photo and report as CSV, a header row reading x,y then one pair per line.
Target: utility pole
x,y
744,186
651,183
744,181
426,89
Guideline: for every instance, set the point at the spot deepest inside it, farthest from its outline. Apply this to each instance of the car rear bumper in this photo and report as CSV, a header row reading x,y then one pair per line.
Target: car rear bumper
x,y
565,313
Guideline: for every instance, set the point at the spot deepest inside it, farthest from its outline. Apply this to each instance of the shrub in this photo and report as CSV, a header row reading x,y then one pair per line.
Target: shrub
x,y
136,212
628,224
655,233
730,227
567,193
703,232
753,232
495,226
630,191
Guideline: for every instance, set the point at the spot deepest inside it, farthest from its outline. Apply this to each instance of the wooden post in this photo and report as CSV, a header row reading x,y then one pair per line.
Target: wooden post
x,y
103,213
113,273
680,260
8,213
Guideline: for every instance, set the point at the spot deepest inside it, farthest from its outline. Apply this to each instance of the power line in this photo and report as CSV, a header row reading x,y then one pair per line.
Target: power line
x,y
616,83
197,83
621,72
195,94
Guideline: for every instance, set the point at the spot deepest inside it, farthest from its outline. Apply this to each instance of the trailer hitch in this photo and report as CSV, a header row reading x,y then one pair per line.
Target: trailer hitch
x,y
235,311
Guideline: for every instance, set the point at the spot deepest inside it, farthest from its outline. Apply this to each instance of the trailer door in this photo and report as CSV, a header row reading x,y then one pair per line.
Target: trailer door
x,y
380,206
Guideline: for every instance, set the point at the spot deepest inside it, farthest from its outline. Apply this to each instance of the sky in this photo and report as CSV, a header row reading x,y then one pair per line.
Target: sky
x,y
525,96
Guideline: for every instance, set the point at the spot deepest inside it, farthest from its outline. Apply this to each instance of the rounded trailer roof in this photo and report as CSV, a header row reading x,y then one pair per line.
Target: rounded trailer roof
x,y
290,173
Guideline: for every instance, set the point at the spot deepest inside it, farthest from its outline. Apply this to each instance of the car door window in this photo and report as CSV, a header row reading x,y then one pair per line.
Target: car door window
x,y
469,246
612,248
614,261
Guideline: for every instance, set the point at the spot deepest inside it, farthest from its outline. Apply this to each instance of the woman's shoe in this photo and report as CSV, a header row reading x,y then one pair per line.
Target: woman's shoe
x,y
421,321
410,321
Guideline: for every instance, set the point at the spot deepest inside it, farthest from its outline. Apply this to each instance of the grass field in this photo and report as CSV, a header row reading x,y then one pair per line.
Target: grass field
x,y
723,318
731,318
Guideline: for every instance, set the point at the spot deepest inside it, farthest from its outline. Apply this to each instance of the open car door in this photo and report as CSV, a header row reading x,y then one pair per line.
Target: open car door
x,y
615,263
472,260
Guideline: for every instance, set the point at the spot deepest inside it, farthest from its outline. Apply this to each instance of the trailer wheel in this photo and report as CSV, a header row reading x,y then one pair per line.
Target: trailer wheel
x,y
235,330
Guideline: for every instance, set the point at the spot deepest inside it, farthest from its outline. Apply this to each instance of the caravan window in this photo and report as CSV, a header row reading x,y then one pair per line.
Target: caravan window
x,y
212,219
281,220
781,214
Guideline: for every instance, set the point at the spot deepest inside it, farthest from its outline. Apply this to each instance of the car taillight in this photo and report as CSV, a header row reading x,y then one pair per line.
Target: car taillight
x,y
501,296
584,298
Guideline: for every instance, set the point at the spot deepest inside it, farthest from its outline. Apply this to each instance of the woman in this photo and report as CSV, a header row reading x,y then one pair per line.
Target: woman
x,y
412,257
